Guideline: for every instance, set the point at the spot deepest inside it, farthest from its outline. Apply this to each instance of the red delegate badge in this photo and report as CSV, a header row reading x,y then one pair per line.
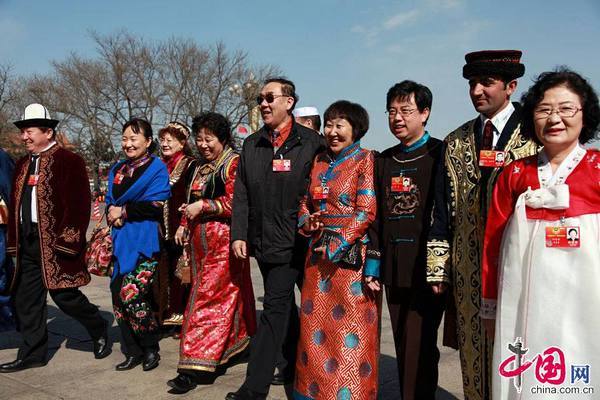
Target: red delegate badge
x,y
33,180
320,192
401,184
562,236
491,158
118,179
282,165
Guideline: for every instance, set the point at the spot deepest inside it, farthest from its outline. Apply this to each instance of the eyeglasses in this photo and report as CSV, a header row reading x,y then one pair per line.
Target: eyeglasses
x,y
566,111
405,112
269,97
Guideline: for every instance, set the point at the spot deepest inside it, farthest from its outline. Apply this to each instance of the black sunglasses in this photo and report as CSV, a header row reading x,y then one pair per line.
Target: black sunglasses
x,y
269,97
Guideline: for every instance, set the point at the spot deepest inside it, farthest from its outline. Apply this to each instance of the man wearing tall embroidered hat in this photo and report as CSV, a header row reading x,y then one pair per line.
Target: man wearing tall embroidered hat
x,y
308,117
49,216
473,156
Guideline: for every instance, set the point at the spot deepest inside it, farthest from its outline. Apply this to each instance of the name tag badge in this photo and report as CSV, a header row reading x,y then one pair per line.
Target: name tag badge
x,y
118,179
320,192
401,184
491,158
33,180
562,236
282,165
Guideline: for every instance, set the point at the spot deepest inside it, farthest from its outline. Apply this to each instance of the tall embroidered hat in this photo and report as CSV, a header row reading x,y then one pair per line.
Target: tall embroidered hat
x,y
504,63
36,115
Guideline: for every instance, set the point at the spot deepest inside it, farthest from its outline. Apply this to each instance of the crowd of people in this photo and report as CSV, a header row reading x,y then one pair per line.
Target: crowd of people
x,y
495,228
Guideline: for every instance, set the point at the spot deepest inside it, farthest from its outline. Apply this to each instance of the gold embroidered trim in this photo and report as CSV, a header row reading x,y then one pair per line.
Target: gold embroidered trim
x,y
438,254
70,235
65,250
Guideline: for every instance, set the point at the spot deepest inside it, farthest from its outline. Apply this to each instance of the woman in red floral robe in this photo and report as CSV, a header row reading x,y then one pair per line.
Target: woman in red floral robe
x,y
338,351
220,314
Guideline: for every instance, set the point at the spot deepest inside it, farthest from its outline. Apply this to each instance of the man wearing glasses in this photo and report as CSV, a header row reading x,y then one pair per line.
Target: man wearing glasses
x,y
404,177
473,156
272,177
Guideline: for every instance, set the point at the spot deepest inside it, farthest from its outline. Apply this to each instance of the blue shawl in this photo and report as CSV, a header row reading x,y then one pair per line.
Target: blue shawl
x,y
139,238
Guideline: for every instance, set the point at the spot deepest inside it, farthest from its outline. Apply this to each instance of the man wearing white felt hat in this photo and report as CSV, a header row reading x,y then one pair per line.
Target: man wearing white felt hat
x,y
48,220
309,117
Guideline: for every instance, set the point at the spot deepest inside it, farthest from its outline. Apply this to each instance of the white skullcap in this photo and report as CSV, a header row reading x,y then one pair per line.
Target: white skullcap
x,y
305,112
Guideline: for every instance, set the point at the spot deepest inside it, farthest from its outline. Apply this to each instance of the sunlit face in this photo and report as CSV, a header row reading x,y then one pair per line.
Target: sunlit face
x,y
405,120
134,145
170,145
208,144
490,95
276,112
36,139
554,131
338,133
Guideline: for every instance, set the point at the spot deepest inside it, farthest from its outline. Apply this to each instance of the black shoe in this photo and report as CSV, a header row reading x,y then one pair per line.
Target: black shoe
x,y
182,384
279,379
151,360
20,365
102,347
245,394
129,363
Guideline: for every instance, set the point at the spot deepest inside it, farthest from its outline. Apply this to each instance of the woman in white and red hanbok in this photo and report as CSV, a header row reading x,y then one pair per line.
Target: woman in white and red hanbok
x,y
541,261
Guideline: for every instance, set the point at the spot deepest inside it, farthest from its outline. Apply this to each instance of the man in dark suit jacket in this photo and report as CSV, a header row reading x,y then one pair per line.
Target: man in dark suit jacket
x,y
272,177
49,215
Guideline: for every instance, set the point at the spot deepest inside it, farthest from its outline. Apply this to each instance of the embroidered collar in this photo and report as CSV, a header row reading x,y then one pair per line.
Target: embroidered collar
x,y
173,160
46,149
345,153
545,175
416,145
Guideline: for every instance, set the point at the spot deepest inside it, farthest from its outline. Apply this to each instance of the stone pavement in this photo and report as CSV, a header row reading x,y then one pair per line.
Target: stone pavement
x,y
73,373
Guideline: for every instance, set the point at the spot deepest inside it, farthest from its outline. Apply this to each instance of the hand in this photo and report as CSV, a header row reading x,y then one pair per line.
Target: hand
x,y
193,210
239,249
182,207
181,235
439,288
372,283
490,327
313,223
118,223
322,250
114,213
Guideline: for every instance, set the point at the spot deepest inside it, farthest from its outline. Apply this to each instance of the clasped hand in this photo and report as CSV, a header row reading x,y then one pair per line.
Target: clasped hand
x,y
115,216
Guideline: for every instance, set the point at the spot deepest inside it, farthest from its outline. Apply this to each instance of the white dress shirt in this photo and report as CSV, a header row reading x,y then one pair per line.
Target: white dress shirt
x,y
498,122
34,214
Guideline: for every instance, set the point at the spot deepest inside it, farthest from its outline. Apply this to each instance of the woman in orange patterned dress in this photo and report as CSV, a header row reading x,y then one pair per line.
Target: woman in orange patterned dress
x,y
338,351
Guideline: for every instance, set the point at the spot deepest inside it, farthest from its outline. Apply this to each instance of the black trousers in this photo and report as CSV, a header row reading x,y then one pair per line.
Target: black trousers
x,y
133,344
279,317
31,308
416,315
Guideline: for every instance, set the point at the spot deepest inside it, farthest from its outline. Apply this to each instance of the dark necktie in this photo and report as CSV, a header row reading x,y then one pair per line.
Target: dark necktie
x,y
488,136
275,138
26,199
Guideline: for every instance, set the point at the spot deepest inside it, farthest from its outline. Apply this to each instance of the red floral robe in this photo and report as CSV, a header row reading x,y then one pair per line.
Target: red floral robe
x,y
338,350
220,316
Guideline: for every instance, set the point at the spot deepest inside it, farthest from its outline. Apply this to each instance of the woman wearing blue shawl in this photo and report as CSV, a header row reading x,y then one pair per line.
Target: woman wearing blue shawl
x,y
137,189
7,167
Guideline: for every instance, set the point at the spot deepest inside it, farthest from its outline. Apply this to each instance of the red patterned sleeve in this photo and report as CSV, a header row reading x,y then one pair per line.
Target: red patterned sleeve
x,y
501,208
221,206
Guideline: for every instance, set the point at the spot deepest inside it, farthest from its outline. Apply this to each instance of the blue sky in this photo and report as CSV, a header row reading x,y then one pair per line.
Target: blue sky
x,y
331,49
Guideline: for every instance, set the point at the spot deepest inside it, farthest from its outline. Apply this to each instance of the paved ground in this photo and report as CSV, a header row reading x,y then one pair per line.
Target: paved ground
x,y
73,373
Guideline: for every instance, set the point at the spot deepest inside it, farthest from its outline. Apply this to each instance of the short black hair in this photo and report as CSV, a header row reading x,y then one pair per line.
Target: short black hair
x,y
562,76
287,87
216,123
140,125
354,113
403,90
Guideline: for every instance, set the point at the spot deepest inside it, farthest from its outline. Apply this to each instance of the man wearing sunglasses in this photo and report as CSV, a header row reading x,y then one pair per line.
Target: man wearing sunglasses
x,y
272,177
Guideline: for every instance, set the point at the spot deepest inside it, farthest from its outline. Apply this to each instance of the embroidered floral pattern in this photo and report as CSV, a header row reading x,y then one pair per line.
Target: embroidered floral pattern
x,y
134,306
